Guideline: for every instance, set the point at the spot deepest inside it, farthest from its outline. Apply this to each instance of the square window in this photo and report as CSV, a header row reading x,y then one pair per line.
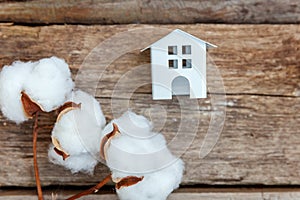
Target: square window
x,y
173,64
186,63
186,49
172,50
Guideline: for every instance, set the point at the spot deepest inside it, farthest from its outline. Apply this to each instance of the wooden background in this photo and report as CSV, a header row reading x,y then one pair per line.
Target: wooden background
x,y
258,153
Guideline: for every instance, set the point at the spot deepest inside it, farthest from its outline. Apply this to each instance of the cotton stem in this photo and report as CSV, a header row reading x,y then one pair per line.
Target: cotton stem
x,y
35,164
93,189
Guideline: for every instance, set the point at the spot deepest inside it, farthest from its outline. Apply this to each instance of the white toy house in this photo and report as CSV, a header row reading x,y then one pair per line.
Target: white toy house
x,y
178,66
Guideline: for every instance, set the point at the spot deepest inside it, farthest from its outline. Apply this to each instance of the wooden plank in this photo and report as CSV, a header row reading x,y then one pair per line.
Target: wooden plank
x,y
144,11
247,55
259,143
175,196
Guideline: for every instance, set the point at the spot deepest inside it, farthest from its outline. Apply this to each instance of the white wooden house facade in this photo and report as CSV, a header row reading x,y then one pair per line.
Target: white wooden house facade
x,y
178,66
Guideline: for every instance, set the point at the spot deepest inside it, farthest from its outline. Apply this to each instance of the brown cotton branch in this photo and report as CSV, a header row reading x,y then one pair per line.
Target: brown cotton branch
x,y
32,109
93,189
35,164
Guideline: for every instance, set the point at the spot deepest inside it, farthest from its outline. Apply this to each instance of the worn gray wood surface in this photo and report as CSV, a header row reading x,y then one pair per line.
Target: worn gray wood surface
x,y
150,11
174,196
259,65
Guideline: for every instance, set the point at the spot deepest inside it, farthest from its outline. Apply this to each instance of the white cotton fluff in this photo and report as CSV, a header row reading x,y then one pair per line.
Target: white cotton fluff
x,y
47,82
12,79
78,132
84,162
137,148
91,106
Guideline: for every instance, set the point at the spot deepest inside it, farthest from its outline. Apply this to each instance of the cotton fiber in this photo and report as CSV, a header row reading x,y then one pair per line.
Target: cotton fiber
x,y
90,106
84,162
139,152
12,79
47,82
78,133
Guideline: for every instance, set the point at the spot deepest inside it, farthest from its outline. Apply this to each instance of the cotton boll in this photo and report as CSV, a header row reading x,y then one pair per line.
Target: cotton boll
x,y
49,83
78,133
79,136
12,79
154,186
142,155
137,149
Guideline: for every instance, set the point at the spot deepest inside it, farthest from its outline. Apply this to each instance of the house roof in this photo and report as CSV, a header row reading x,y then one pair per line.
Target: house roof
x,y
185,34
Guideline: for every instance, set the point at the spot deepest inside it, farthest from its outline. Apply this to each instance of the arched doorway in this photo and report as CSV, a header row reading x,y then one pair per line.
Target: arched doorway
x,y
180,86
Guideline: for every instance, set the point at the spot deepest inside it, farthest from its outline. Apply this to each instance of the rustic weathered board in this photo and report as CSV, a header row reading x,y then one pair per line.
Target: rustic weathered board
x,y
149,11
259,65
175,196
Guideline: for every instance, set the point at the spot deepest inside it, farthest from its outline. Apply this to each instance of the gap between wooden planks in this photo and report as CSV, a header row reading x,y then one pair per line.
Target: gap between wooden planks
x,y
196,194
145,11
259,65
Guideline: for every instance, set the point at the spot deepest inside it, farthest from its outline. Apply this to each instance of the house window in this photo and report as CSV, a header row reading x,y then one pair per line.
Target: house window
x,y
173,64
186,63
186,49
172,50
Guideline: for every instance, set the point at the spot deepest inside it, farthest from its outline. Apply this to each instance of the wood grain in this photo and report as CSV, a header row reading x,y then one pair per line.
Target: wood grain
x,y
175,196
149,11
259,65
